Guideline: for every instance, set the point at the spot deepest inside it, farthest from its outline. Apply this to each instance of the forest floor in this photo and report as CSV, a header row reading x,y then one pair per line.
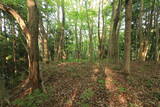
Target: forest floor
x,y
74,84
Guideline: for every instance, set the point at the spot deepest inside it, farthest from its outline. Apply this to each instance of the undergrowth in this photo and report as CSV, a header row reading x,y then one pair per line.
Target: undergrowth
x,y
32,100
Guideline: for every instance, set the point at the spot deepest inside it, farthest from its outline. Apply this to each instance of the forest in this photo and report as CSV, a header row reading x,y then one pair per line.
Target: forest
x,y
79,53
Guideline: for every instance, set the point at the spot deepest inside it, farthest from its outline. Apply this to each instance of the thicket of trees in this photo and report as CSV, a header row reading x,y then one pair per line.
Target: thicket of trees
x,y
31,31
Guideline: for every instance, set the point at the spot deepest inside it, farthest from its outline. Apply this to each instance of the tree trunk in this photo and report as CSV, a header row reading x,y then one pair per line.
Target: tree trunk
x,y
157,54
114,38
77,46
140,33
57,37
33,22
31,35
90,31
117,33
149,33
128,19
61,51
80,42
101,30
44,38
111,29
99,35
103,38
90,42
0,22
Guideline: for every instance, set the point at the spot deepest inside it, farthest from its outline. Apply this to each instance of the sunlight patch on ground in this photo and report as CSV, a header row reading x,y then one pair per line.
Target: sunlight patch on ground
x,y
96,70
122,99
113,89
62,64
109,80
94,76
72,98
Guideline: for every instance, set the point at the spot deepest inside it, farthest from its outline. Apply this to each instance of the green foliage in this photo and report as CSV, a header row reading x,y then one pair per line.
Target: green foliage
x,y
87,94
91,12
122,89
85,105
133,105
13,2
32,100
18,5
156,95
74,15
116,67
9,57
101,83
149,83
71,69
85,97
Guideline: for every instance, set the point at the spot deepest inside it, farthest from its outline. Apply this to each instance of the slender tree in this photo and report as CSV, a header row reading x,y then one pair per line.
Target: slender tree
x,y
157,26
128,19
44,38
0,21
61,51
90,31
140,33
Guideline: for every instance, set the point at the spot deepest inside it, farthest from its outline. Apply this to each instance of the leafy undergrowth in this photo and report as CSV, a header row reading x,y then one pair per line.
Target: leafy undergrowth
x,y
75,84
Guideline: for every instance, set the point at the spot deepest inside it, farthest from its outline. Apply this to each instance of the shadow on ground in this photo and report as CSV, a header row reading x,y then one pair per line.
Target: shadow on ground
x,y
100,85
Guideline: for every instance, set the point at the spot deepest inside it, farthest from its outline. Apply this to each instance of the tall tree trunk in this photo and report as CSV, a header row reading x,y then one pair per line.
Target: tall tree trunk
x,y
61,51
0,22
101,30
111,29
63,30
90,41
80,41
157,54
117,33
145,40
77,45
149,33
44,38
140,33
99,34
103,38
57,37
90,31
128,19
31,35
33,22
114,38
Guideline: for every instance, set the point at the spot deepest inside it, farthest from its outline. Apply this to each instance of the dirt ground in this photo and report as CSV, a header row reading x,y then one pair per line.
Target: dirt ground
x,y
101,85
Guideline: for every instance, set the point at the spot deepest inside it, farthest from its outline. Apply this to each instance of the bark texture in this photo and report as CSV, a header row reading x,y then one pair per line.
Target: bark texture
x,y
115,37
44,38
33,22
128,18
31,35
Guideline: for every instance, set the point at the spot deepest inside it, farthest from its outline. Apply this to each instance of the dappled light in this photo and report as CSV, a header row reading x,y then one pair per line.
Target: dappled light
x,y
79,53
122,99
96,70
112,87
109,80
94,74
72,98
